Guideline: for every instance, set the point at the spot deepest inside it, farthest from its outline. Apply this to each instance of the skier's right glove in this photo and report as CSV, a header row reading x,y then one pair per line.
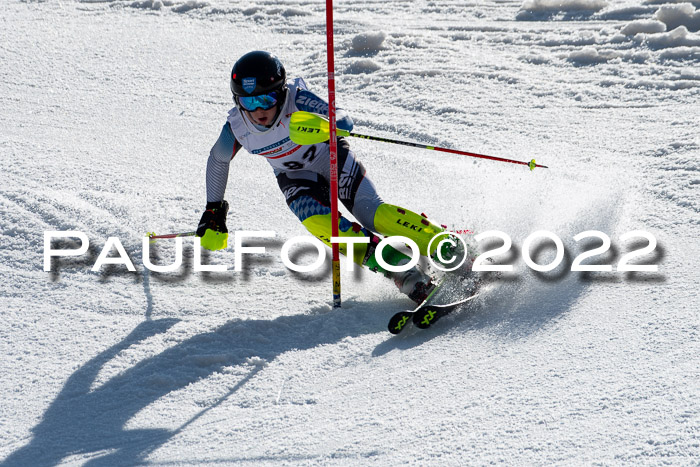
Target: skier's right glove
x,y
212,226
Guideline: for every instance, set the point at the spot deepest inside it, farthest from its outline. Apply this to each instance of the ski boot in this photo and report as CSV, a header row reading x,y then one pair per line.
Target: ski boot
x,y
414,283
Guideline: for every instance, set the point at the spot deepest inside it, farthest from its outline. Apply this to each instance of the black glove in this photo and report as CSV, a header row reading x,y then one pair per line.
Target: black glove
x,y
214,218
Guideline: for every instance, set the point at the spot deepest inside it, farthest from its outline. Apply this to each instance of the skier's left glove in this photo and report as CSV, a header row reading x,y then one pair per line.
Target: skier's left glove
x,y
344,121
212,226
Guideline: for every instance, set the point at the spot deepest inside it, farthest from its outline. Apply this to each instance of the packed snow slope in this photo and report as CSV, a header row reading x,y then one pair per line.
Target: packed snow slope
x,y
108,110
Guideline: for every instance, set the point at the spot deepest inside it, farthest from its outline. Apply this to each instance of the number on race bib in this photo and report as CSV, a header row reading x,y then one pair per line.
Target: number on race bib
x,y
293,165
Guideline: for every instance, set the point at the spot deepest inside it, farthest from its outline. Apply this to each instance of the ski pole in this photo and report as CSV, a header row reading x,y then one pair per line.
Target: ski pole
x,y
310,128
153,236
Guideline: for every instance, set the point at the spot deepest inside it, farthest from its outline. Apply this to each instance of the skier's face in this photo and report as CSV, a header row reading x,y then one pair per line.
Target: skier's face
x,y
262,117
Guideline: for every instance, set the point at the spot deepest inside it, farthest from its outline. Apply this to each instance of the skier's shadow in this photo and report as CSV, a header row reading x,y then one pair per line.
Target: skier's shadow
x,y
91,422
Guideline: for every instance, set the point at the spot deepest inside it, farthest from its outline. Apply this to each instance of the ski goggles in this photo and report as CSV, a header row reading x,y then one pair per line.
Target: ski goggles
x,y
263,101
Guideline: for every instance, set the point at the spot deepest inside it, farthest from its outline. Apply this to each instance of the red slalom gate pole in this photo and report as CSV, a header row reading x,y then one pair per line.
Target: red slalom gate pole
x,y
334,152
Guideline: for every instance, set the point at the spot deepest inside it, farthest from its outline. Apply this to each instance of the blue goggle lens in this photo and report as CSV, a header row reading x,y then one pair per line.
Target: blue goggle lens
x,y
263,101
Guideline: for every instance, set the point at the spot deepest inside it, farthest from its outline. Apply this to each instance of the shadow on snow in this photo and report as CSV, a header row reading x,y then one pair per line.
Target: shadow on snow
x,y
86,422
81,421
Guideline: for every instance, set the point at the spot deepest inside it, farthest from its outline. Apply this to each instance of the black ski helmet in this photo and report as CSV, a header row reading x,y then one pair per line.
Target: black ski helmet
x,y
257,73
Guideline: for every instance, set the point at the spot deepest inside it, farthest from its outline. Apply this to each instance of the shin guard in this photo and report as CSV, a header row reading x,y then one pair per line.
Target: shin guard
x,y
390,220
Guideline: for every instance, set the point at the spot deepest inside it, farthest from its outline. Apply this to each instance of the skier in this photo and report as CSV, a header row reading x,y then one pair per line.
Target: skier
x,y
259,122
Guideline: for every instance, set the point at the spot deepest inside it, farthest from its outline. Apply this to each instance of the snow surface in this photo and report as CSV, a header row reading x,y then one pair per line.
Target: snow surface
x,y
109,109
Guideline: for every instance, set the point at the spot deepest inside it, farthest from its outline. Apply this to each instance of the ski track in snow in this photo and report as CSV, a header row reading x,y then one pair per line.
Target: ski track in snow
x,y
109,109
